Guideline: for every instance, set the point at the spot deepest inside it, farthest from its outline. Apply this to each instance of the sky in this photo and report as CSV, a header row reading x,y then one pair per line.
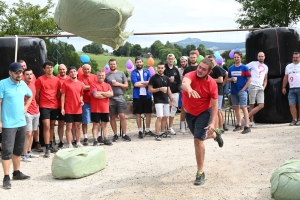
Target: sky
x,y
175,15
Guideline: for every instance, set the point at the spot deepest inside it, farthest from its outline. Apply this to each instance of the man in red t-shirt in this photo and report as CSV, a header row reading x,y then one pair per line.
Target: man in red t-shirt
x,y
101,92
32,118
24,66
71,103
200,101
88,79
47,94
62,69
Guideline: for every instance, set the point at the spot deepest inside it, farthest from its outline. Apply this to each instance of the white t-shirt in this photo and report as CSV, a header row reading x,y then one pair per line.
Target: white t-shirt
x,y
142,89
258,73
293,72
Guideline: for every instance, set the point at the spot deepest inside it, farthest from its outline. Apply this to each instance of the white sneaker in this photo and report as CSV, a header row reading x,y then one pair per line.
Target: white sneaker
x,y
79,145
70,146
182,127
252,124
32,155
171,131
26,158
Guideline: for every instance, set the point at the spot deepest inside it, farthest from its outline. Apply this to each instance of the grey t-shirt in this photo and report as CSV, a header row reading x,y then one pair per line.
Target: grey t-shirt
x,y
118,77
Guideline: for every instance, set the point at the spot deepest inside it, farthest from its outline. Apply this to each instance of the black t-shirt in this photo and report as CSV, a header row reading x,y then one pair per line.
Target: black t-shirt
x,y
216,73
158,81
189,69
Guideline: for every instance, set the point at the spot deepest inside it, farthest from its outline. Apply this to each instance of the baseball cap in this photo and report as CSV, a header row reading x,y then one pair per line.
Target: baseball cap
x,y
184,58
15,66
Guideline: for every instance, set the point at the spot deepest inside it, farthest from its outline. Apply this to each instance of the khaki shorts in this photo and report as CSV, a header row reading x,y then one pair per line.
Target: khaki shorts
x,y
256,93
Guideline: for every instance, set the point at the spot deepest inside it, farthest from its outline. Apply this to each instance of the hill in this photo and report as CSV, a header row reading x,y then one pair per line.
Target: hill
x,y
215,46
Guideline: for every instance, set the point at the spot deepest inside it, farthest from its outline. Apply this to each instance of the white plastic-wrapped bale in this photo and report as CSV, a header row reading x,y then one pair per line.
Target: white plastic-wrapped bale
x,y
101,21
285,181
78,162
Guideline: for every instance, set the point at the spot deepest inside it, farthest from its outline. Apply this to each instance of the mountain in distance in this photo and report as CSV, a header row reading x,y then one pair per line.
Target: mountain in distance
x,y
214,46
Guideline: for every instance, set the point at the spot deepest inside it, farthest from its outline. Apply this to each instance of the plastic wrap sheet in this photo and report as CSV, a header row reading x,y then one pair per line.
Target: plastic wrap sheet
x,y
278,44
276,108
31,50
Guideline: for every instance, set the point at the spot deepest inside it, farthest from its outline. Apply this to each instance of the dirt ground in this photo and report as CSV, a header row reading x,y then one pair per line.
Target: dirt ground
x,y
149,169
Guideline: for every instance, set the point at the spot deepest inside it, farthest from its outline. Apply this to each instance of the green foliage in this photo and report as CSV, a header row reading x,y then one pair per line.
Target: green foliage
x,y
136,50
225,54
94,66
271,13
27,19
189,48
155,48
163,53
93,48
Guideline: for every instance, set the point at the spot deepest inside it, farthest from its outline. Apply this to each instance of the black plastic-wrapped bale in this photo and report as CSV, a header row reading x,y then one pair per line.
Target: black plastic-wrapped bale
x,y
276,108
31,50
278,44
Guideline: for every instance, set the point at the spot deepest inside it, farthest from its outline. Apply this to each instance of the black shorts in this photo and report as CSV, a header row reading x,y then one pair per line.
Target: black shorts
x,y
48,113
97,117
60,116
70,118
142,105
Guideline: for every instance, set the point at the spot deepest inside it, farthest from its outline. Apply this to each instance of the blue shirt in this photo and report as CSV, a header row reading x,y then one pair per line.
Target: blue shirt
x,y
241,73
12,108
135,77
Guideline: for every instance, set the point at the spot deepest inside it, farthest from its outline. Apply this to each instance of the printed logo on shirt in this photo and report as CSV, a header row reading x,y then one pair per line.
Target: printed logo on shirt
x,y
236,73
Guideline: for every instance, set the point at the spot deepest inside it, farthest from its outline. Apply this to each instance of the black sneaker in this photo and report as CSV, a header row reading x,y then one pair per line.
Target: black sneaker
x,y
95,143
225,127
38,148
115,138
149,133
107,142
20,176
74,142
60,145
141,135
165,135
85,142
100,139
47,153
126,138
6,183
293,123
200,179
53,150
238,128
219,138
246,130
157,138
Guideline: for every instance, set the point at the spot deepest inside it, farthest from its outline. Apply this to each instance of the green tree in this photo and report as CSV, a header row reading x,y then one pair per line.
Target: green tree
x,y
169,45
271,13
156,47
136,50
26,19
189,48
165,51
93,48
225,54
94,66
125,51
202,49
180,48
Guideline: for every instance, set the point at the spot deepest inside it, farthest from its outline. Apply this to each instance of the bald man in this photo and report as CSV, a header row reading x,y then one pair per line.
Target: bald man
x,y
259,73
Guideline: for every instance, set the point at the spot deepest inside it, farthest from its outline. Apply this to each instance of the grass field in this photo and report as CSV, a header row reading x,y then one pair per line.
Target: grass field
x,y
102,60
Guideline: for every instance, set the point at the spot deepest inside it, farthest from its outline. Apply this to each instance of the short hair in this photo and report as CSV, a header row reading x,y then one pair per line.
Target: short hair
x,y
296,53
21,61
207,62
100,71
238,53
112,59
170,55
72,67
26,70
161,63
138,58
193,52
211,56
50,63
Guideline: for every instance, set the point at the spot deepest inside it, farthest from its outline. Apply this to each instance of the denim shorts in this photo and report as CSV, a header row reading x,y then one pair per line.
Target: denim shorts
x,y
294,96
220,101
239,99
197,124
86,113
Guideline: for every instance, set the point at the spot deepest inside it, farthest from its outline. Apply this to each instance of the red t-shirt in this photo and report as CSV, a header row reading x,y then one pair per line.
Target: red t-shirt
x,y
73,91
48,89
33,107
207,89
100,105
61,80
33,78
87,80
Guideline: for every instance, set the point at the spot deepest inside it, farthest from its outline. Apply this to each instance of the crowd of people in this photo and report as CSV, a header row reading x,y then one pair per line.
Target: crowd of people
x,y
76,101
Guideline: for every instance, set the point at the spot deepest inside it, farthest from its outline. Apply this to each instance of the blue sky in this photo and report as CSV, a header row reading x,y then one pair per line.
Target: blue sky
x,y
175,15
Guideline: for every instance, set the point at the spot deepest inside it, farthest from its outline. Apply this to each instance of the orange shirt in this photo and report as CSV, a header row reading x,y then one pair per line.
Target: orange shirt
x,y
48,89
33,107
61,80
100,105
207,89
73,91
87,80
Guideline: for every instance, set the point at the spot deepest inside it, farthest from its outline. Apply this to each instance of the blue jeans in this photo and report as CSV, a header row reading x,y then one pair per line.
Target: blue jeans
x,y
197,124
294,96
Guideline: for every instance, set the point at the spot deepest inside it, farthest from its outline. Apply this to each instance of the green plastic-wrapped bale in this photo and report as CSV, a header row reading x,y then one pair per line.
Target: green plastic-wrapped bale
x,y
78,162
